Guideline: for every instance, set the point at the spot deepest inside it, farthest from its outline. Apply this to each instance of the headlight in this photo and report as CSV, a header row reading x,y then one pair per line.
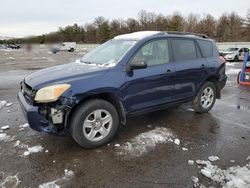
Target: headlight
x,y
50,93
229,56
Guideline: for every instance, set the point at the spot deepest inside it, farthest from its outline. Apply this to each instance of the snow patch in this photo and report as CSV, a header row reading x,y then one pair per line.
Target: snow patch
x,y
213,158
17,143
51,184
2,104
5,138
68,174
144,142
184,149
24,125
232,177
190,162
177,141
233,71
33,149
5,127
9,104
10,181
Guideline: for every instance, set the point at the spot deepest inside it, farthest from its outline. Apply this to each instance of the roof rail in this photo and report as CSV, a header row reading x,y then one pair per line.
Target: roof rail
x,y
188,33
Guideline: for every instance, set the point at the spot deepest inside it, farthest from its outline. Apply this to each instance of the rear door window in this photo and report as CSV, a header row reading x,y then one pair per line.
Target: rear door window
x,y
206,48
183,49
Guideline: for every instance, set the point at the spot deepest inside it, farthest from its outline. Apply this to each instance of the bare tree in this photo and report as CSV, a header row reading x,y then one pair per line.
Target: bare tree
x,y
207,26
176,22
133,25
191,23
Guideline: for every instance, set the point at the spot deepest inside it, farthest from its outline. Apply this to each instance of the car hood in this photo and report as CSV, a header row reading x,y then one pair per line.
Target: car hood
x,y
63,74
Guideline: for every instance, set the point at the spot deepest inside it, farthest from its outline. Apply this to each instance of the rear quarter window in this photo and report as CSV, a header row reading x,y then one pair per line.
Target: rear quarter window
x,y
206,48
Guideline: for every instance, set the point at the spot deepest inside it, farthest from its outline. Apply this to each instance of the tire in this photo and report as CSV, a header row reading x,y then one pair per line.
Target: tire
x,y
71,50
89,118
236,59
238,77
203,102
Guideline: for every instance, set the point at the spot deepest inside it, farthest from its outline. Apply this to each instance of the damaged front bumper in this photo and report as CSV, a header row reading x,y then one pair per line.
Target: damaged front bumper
x,y
37,120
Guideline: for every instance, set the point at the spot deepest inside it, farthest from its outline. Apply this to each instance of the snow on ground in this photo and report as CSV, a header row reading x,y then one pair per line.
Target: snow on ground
x,y
233,71
232,177
24,125
33,149
190,162
213,158
177,141
229,64
145,142
5,127
9,182
184,149
68,174
5,103
5,138
2,104
9,104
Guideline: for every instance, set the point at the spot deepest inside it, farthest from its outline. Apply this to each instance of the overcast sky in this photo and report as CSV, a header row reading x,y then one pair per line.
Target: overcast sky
x,y
20,18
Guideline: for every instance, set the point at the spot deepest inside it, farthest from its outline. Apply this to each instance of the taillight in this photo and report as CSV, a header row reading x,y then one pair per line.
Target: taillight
x,y
222,59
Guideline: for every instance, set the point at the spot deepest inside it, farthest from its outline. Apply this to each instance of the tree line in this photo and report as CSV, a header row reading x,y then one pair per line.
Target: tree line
x,y
229,27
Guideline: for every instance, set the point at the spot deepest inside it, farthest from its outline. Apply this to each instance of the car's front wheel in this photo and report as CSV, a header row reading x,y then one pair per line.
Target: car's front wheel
x,y
236,58
71,50
205,99
94,123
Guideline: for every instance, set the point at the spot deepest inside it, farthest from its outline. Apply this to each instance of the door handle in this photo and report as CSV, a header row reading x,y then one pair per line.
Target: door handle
x,y
168,71
203,66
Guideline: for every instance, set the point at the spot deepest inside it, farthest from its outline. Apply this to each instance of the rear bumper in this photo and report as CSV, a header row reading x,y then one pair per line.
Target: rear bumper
x,y
35,119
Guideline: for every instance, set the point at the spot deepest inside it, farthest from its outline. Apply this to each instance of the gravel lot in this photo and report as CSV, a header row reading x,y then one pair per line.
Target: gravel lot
x,y
160,149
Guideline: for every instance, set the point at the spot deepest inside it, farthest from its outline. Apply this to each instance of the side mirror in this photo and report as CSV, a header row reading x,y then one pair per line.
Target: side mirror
x,y
138,64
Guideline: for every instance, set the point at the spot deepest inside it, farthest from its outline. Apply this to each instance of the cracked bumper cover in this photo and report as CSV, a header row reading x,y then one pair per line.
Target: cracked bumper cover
x,y
35,119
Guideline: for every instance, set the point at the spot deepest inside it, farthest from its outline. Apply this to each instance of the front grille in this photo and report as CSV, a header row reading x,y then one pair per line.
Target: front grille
x,y
28,93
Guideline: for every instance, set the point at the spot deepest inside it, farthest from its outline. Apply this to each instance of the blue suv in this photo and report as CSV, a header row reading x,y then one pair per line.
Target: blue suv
x,y
131,74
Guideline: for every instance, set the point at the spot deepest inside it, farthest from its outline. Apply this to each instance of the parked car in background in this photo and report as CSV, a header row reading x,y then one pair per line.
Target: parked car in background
x,y
234,54
3,46
129,75
65,46
14,46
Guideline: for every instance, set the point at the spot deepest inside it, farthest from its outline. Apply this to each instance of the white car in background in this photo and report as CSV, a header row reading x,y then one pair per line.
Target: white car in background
x,y
234,54
65,46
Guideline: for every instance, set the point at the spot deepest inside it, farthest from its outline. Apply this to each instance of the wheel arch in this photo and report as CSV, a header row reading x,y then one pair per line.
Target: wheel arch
x,y
215,80
107,96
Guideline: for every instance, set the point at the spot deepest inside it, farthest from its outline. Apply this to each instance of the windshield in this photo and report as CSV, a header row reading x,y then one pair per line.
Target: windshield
x,y
232,49
108,53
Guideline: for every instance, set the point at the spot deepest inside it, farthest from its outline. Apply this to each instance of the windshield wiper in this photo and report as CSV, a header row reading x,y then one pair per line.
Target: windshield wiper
x,y
87,62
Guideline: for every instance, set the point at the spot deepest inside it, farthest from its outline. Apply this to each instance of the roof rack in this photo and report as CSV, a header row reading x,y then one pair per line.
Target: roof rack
x,y
188,33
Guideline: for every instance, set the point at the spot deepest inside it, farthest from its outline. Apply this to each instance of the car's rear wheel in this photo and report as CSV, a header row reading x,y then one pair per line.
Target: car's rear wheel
x,y
94,123
205,99
238,77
